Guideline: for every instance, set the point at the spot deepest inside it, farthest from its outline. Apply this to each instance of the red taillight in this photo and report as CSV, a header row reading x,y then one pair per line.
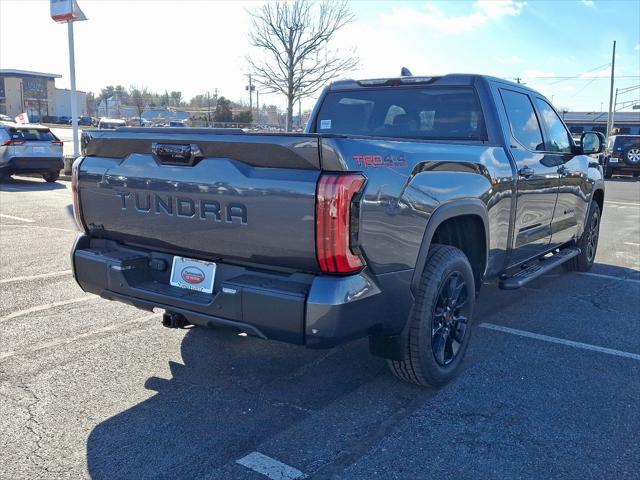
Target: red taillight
x,y
75,189
13,142
333,222
56,142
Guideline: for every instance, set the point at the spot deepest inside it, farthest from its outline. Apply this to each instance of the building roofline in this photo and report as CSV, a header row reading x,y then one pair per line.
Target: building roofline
x,y
27,73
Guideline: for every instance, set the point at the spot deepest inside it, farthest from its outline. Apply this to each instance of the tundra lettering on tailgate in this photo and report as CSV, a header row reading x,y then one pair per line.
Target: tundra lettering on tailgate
x,y
184,207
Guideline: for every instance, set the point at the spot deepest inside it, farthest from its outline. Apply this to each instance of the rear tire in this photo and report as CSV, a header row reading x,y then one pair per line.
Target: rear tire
x,y
588,242
51,177
440,323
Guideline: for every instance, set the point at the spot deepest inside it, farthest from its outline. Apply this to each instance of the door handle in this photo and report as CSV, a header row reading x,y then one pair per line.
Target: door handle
x,y
526,172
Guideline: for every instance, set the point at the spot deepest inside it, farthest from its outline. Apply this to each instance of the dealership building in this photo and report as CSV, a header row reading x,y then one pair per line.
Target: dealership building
x,y
36,94
624,123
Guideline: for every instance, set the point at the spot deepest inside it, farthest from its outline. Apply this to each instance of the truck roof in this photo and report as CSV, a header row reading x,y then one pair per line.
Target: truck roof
x,y
449,79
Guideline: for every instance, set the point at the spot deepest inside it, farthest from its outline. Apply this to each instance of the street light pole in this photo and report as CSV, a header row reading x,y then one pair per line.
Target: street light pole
x,y
74,96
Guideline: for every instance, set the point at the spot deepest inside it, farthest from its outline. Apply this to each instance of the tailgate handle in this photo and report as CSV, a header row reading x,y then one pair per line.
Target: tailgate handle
x,y
176,153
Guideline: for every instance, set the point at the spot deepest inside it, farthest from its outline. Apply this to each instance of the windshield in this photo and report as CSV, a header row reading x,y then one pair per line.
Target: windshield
x,y
422,113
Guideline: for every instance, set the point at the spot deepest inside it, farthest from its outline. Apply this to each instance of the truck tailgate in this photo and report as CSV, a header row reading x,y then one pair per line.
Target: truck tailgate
x,y
238,198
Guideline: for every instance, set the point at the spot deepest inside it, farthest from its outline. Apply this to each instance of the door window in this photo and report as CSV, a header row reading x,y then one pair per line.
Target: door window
x,y
557,136
522,119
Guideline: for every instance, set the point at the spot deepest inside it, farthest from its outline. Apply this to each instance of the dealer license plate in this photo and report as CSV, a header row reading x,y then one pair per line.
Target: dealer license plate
x,y
193,274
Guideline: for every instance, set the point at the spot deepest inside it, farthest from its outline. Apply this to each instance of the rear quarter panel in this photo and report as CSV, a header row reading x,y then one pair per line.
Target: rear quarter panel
x,y
408,180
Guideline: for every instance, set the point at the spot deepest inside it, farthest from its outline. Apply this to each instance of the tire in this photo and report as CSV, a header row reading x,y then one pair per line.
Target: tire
x,y
631,156
51,177
588,243
430,356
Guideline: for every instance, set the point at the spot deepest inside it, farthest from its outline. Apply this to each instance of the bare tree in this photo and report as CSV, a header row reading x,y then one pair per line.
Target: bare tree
x,y
295,37
139,98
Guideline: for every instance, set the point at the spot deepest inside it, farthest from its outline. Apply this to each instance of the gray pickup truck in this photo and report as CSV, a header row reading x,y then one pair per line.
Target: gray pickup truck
x,y
382,220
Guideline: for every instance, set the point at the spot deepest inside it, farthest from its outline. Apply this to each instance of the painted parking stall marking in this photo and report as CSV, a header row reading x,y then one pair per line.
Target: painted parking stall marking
x,y
47,306
36,277
20,219
560,341
610,277
65,341
270,467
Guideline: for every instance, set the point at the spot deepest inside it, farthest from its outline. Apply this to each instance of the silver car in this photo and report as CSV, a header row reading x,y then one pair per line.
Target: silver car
x,y
29,149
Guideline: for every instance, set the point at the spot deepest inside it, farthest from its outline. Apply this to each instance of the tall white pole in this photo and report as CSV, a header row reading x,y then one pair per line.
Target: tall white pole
x,y
613,68
74,97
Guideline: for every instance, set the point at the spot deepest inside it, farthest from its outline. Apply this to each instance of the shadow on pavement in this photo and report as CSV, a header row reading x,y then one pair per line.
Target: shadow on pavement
x,y
231,393
35,184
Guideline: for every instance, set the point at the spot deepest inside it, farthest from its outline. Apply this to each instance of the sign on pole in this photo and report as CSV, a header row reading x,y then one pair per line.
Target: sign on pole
x,y
68,11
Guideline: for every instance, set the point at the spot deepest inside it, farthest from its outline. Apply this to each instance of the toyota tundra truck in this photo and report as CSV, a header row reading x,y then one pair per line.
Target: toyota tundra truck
x,y
403,196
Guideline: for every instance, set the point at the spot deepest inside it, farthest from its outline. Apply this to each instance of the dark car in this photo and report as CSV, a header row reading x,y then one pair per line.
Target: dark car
x,y
83,121
382,220
622,155
64,120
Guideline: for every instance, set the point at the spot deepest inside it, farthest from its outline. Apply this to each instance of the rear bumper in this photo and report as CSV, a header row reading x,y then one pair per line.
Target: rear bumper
x,y
32,165
303,309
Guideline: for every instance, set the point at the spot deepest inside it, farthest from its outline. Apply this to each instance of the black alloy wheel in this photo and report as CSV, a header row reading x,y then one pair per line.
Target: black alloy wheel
x,y
592,233
450,319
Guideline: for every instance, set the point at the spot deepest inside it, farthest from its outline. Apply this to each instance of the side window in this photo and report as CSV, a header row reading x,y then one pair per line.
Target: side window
x,y
522,119
558,140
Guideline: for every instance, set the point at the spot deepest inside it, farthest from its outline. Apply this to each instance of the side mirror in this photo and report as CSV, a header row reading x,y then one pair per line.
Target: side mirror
x,y
591,143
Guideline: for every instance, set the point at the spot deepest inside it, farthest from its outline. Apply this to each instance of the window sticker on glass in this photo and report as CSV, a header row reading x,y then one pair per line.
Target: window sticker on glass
x,y
325,124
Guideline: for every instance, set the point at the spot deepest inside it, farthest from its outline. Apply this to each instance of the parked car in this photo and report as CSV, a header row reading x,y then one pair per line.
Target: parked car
x,y
84,121
111,123
622,155
29,149
64,120
177,123
50,119
383,220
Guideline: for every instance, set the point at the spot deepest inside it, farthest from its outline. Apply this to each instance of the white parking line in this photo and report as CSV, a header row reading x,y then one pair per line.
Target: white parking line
x,y
35,277
610,277
561,341
270,467
635,244
41,226
612,202
63,341
47,306
11,217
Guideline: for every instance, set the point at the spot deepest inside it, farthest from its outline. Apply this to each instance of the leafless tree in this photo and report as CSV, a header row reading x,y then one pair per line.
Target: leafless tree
x,y
295,37
139,98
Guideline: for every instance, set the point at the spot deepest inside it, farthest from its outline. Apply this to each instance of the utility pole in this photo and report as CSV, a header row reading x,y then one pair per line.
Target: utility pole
x,y
613,112
613,67
251,88
208,109
258,106
519,80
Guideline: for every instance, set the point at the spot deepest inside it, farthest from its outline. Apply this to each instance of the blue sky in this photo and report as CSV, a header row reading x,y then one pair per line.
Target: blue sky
x,y
144,42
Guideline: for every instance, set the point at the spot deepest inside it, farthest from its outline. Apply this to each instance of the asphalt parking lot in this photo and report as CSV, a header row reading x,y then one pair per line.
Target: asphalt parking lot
x,y
95,389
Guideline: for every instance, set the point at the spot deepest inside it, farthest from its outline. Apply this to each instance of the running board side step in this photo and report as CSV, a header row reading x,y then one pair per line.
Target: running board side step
x,y
538,268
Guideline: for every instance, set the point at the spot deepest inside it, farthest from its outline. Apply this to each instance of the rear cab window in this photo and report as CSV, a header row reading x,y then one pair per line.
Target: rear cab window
x,y
32,134
424,113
